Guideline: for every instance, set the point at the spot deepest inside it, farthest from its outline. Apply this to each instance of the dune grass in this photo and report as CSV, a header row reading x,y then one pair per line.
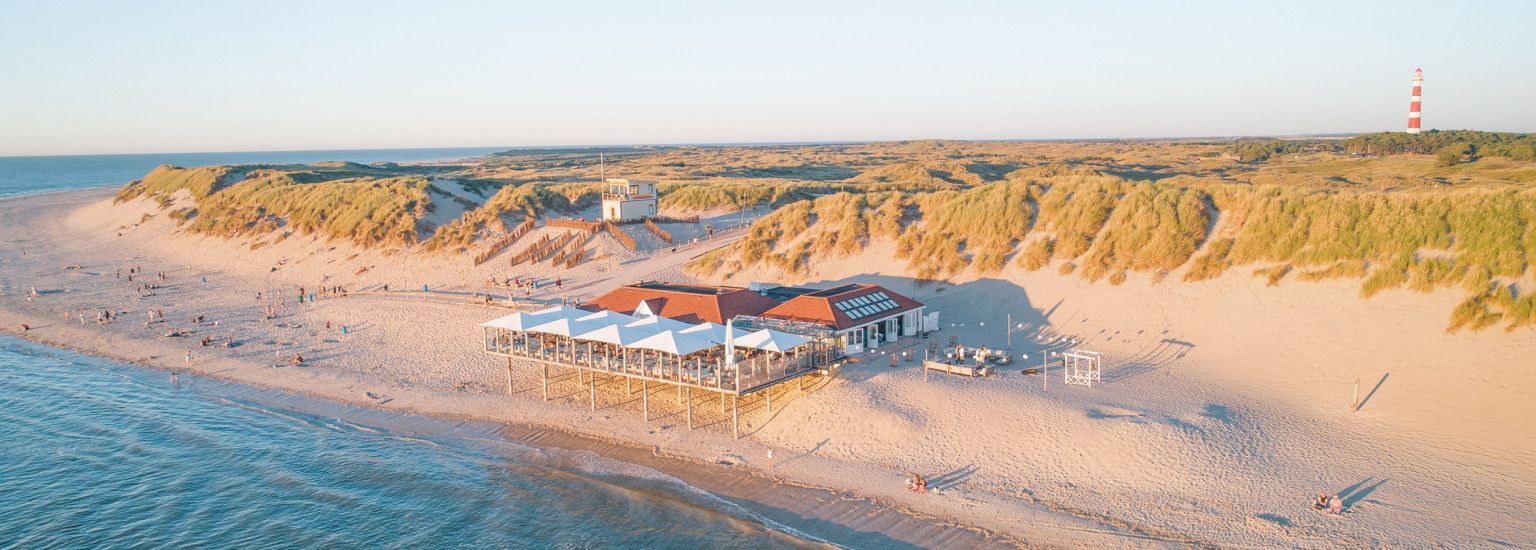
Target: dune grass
x,y
731,197
1419,239
165,180
977,227
365,211
1393,218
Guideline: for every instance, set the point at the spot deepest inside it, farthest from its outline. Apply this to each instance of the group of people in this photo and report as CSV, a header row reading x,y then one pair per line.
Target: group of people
x,y
981,354
528,285
918,484
1331,504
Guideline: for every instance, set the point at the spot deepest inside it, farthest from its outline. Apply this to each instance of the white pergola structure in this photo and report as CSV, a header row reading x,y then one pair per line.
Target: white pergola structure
x,y
1081,367
706,356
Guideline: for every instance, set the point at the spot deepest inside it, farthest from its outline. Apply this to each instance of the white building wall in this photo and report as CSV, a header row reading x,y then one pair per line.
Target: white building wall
x,y
628,210
909,326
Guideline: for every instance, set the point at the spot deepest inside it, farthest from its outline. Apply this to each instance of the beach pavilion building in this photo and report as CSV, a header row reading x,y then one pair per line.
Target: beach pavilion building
x,y
683,302
735,360
863,316
732,341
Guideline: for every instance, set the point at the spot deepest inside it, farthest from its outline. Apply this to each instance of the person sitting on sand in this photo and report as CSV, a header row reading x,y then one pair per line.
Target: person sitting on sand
x,y
918,485
297,359
1336,505
1321,503
25,328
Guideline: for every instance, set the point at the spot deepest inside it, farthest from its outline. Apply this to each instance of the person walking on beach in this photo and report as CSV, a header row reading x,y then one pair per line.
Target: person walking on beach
x,y
189,358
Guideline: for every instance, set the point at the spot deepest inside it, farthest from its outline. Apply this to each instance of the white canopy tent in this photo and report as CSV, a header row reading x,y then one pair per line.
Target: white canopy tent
x,y
565,311
674,343
523,321
563,327
771,340
659,323
616,335
714,332
515,321
607,316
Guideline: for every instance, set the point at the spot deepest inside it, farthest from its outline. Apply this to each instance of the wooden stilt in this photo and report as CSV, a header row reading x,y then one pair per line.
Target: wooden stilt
x,y
629,386
645,398
722,402
768,396
592,389
735,413
690,408
546,382
509,376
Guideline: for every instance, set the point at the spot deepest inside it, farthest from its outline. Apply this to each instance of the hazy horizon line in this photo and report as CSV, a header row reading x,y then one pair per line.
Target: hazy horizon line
x,y
724,144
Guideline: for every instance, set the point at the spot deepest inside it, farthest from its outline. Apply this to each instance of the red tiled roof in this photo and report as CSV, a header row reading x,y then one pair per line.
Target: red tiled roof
x,y
817,307
687,303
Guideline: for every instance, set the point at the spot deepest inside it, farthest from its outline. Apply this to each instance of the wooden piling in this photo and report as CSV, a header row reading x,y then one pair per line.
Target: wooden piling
x,y
645,398
546,381
735,414
509,376
592,389
690,408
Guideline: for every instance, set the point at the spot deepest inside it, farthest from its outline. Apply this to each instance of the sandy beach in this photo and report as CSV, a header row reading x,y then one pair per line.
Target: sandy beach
x,y
1225,407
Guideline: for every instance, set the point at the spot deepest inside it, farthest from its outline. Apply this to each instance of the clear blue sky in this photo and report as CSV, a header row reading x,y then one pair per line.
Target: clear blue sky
x,y
111,77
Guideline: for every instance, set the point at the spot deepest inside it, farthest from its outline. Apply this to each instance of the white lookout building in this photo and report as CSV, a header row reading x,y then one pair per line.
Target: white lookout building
x,y
625,200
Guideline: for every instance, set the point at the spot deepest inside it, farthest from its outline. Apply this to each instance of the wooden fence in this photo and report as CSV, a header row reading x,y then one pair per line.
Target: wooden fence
x,y
624,238
533,252
506,241
665,236
590,227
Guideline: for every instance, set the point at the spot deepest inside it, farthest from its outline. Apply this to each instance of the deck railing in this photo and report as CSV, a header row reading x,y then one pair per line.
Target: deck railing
x,y
708,370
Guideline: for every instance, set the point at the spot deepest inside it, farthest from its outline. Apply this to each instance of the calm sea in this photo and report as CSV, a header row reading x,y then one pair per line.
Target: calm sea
x,y
100,454
28,175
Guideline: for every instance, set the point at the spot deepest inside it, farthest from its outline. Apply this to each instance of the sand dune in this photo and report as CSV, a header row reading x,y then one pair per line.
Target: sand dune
x,y
1225,404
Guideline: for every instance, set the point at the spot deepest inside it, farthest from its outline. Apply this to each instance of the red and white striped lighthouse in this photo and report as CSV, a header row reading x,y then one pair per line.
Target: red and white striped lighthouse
x,y
1413,104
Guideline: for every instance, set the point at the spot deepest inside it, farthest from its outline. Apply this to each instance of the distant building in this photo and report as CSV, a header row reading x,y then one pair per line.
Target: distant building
x,y
625,200
1414,101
